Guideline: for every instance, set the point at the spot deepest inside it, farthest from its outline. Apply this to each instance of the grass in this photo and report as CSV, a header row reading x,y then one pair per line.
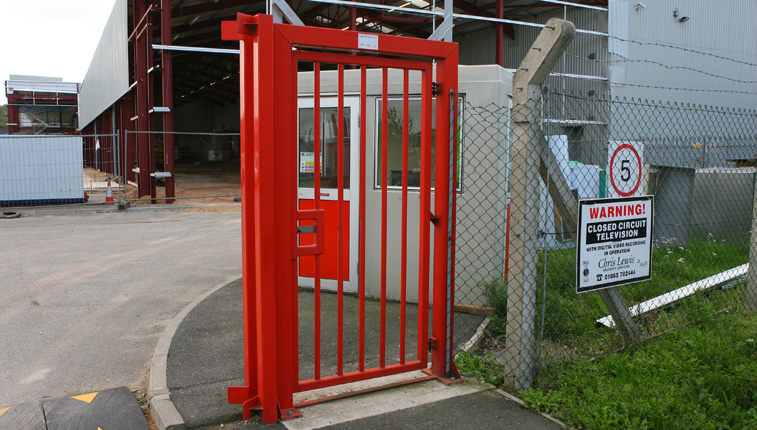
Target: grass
x,y
703,376
569,318
698,371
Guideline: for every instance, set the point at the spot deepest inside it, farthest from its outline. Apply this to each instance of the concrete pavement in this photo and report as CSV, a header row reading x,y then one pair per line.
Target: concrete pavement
x,y
85,297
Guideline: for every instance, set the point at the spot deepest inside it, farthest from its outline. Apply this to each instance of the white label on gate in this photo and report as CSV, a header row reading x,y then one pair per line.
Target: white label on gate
x,y
367,41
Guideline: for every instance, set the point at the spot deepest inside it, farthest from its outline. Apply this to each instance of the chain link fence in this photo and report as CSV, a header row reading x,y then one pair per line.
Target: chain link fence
x,y
45,170
206,167
697,161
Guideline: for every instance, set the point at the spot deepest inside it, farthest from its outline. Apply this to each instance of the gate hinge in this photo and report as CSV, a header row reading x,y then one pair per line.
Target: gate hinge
x,y
431,343
436,88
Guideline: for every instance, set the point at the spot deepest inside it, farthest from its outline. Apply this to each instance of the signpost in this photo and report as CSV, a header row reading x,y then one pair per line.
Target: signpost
x,y
614,242
625,162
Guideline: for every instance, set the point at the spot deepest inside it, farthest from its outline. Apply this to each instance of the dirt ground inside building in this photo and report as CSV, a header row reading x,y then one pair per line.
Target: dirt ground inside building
x,y
211,183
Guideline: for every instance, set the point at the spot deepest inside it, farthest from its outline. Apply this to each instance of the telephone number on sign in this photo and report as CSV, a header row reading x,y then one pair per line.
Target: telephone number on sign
x,y
622,274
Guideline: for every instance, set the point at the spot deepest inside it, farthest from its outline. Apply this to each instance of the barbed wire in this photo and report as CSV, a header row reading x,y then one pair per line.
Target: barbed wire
x,y
638,101
696,90
665,66
692,51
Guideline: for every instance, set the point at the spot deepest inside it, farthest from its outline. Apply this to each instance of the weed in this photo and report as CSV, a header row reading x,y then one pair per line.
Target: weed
x,y
484,369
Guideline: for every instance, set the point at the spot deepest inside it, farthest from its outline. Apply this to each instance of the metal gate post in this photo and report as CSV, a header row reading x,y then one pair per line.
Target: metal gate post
x,y
441,357
267,208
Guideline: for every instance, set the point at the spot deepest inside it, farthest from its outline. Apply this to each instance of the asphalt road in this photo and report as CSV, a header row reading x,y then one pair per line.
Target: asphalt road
x,y
85,297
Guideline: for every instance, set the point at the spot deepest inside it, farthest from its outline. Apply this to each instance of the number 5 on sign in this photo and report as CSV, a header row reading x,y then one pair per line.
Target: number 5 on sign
x,y
625,161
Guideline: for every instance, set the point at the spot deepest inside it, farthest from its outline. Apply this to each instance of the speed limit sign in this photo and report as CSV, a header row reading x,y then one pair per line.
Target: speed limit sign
x,y
625,161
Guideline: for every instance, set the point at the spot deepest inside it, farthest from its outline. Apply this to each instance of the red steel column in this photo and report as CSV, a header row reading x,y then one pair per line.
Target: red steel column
x,y
141,109
167,81
126,145
13,117
499,31
152,161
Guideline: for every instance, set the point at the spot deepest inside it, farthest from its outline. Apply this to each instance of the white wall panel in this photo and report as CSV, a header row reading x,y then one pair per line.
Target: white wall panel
x,y
709,58
108,76
41,169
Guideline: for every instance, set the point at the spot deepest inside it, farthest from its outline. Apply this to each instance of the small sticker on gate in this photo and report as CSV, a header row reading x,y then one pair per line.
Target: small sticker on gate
x,y
367,41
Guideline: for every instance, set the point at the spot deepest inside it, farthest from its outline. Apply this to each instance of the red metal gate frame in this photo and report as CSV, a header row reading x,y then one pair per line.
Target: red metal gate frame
x,y
268,79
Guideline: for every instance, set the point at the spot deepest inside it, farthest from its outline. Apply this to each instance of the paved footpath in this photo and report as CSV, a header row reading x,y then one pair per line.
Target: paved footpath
x,y
190,376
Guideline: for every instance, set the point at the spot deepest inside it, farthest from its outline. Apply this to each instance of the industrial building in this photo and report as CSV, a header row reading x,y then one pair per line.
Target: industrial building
x,y
41,105
161,65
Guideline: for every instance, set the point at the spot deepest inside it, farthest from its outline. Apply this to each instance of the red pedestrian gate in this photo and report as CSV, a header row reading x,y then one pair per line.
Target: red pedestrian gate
x,y
282,234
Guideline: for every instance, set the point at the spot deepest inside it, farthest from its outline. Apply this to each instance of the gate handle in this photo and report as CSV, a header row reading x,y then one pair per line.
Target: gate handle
x,y
317,215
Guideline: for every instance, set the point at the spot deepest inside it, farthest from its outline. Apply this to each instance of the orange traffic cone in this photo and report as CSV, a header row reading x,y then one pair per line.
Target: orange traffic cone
x,y
109,195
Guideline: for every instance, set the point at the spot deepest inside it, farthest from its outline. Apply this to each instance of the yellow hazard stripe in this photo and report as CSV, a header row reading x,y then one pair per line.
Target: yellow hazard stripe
x,y
86,397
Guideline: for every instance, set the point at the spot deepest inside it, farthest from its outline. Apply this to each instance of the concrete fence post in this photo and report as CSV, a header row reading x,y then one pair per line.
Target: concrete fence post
x,y
524,192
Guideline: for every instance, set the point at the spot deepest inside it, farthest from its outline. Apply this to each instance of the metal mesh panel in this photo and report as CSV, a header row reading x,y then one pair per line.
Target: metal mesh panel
x,y
698,163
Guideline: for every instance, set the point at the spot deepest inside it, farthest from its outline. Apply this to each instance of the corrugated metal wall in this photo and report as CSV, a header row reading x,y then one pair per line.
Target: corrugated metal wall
x,y
107,78
706,55
586,56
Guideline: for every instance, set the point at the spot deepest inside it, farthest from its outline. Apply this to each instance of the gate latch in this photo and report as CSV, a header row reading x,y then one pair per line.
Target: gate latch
x,y
305,229
431,343
318,227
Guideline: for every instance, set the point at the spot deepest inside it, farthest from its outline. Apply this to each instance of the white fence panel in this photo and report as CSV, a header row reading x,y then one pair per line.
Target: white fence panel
x,y
41,169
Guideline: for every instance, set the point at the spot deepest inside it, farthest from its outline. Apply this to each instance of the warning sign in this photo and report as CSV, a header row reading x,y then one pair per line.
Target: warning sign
x,y
307,162
625,161
614,242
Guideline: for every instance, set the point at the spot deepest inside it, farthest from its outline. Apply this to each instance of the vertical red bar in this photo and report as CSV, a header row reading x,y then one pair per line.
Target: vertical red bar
x,y
425,213
446,71
340,228
317,198
293,143
361,196
259,124
283,182
403,269
384,158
